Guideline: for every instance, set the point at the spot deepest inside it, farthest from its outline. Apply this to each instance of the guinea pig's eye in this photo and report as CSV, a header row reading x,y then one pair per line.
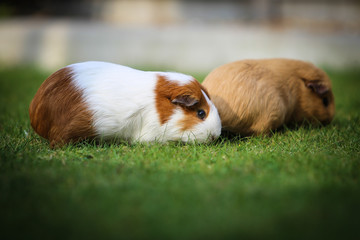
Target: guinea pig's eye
x,y
325,101
201,114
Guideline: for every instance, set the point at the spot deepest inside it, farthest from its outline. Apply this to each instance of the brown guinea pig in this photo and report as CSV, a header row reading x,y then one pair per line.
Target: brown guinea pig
x,y
257,96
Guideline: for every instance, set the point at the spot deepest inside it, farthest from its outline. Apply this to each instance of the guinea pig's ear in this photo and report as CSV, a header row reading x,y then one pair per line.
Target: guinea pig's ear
x,y
316,86
185,100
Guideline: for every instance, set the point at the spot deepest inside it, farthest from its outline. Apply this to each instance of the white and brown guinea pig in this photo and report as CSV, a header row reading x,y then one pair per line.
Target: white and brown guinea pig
x,y
106,100
257,96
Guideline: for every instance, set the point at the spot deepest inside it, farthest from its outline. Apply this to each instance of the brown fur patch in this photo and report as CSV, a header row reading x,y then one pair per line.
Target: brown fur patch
x,y
166,91
58,112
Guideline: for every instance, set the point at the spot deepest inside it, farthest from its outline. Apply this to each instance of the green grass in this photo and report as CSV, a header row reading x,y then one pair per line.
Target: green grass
x,y
297,184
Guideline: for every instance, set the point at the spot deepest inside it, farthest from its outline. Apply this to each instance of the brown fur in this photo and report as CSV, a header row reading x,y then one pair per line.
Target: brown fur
x,y
58,112
257,96
166,91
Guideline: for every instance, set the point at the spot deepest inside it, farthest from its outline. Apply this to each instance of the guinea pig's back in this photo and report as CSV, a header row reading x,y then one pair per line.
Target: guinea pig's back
x,y
104,85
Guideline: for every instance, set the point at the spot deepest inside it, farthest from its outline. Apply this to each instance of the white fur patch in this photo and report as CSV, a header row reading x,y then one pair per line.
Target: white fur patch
x,y
121,98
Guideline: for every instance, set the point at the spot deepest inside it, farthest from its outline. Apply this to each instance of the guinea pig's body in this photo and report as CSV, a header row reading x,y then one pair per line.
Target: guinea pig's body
x,y
257,96
105,100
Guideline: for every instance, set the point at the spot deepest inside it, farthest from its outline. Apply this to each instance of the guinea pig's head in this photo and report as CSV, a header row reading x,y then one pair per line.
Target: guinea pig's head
x,y
316,99
185,109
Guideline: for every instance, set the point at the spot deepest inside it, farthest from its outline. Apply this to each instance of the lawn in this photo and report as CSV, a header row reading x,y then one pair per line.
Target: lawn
x,y
299,183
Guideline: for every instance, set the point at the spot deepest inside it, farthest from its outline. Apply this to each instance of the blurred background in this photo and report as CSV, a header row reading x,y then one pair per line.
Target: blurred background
x,y
182,35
